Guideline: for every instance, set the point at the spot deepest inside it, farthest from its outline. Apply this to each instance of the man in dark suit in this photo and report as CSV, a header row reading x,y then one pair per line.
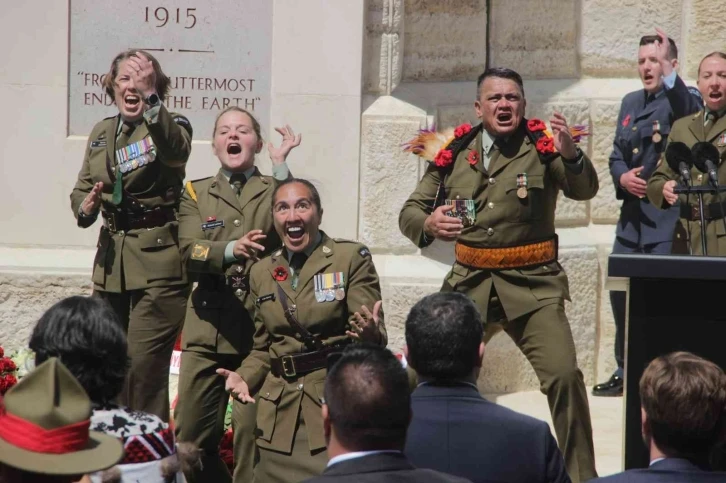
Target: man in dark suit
x,y
683,411
366,412
453,428
643,127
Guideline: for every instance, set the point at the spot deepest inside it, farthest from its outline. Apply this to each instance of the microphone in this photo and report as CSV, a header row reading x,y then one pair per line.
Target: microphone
x,y
680,159
705,158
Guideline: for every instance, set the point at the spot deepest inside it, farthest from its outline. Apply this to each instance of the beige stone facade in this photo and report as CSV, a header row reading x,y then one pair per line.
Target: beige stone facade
x,y
358,79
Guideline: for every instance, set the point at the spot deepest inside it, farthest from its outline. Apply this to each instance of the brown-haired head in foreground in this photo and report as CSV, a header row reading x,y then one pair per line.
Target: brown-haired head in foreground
x,y
684,399
163,83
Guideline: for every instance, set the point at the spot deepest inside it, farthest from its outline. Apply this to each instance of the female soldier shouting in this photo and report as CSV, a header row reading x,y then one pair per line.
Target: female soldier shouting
x,y
132,173
225,223
309,295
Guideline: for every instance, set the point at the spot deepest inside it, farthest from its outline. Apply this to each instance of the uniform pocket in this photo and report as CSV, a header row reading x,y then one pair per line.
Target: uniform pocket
x,y
547,281
268,400
530,207
99,264
160,252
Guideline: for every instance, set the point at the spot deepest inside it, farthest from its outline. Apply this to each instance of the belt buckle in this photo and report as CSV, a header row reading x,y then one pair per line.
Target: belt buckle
x,y
288,366
695,213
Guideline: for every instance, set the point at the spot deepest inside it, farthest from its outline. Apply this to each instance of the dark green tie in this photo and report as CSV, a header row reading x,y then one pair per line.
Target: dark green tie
x,y
296,264
237,181
121,141
711,118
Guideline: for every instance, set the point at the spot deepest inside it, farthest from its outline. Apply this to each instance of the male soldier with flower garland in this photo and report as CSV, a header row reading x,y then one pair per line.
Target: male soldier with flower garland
x,y
512,171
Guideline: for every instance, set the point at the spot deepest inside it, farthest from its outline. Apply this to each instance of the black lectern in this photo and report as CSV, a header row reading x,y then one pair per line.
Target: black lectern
x,y
674,303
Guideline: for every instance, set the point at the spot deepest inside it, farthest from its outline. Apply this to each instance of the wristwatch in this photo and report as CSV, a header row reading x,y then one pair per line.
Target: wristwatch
x,y
577,158
152,100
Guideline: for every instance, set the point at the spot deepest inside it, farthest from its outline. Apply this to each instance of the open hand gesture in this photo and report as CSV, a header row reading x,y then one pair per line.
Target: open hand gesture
x,y
289,141
365,326
236,386
92,200
562,136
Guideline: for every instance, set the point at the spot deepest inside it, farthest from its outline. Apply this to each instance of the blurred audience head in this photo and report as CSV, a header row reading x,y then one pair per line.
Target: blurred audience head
x,y
444,337
367,401
86,335
683,406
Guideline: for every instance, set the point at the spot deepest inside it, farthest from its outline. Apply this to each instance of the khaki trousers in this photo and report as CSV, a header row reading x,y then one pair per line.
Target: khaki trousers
x,y
544,337
200,413
152,319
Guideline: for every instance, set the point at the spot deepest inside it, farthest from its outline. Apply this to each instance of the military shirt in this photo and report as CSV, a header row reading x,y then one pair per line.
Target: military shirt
x,y
279,399
139,258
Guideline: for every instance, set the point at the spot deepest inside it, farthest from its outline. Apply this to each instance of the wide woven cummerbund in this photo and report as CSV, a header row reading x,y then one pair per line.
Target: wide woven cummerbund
x,y
500,258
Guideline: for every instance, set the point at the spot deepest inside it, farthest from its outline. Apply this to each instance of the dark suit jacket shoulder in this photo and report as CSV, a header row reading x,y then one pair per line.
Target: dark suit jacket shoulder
x,y
382,468
457,431
672,470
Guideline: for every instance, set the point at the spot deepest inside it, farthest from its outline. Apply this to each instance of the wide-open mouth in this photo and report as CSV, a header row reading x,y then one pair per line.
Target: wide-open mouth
x,y
715,95
648,77
504,117
295,232
234,148
132,100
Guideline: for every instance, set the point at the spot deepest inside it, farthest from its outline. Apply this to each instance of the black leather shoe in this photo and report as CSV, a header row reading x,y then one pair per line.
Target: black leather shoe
x,y
612,388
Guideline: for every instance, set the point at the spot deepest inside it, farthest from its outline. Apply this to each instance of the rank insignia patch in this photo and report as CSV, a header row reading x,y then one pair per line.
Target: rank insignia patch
x,y
200,252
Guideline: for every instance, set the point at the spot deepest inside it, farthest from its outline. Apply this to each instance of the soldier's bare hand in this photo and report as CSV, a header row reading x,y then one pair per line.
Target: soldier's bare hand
x,y
142,73
631,181
92,200
289,142
562,136
365,325
439,225
236,386
668,193
248,246
662,47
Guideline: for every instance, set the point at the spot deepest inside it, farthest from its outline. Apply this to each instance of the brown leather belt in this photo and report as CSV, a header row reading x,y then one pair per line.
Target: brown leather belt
x,y
521,256
293,365
711,211
120,221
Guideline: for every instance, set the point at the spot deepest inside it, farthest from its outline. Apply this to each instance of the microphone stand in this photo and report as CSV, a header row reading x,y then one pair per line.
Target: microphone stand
x,y
700,190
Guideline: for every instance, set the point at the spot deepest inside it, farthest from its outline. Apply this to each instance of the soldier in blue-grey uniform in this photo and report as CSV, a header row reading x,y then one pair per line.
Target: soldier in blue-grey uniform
x,y
641,133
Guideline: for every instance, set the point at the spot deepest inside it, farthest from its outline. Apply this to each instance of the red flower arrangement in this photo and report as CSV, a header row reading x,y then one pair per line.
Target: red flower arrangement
x,y
473,158
535,125
280,274
226,449
545,145
7,373
445,156
462,130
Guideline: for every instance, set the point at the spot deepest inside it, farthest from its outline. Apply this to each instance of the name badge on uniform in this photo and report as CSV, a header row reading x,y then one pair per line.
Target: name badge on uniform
x,y
721,140
522,184
136,155
264,298
465,210
329,286
98,143
656,132
211,223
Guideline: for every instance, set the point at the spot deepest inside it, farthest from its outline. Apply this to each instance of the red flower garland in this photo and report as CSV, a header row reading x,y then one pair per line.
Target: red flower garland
x,y
535,125
545,145
473,158
226,447
445,157
462,130
7,372
280,274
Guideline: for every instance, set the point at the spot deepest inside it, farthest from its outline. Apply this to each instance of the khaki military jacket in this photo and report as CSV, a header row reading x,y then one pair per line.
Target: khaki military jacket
x,y
503,219
280,399
139,258
690,130
220,310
